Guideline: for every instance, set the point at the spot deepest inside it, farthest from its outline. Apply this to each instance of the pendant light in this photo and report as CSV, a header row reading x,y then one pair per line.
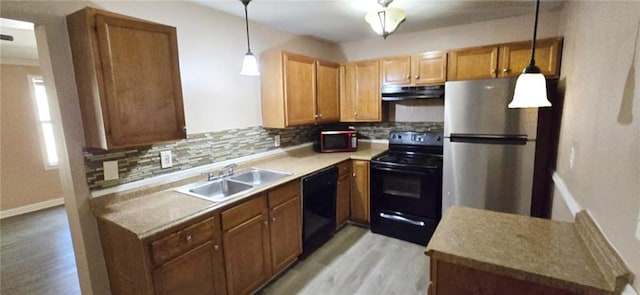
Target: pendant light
x,y
385,21
531,86
249,63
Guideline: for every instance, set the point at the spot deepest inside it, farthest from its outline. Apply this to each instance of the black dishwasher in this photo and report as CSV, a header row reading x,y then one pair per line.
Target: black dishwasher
x,y
318,208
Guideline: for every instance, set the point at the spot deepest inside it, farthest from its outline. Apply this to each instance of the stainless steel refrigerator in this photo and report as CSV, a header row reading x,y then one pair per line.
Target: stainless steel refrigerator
x,y
489,149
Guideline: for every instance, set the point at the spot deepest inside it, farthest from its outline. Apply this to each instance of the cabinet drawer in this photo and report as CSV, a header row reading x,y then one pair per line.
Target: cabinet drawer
x,y
284,193
344,169
182,240
243,212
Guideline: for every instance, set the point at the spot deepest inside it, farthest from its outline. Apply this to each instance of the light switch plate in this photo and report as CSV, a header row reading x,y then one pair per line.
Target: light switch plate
x,y
276,141
166,160
110,170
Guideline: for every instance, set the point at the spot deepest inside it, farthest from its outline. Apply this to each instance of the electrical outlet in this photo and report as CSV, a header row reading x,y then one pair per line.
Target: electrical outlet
x,y
166,160
110,170
276,141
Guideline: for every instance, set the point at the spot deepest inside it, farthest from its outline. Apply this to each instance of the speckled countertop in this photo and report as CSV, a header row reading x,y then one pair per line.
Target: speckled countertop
x,y
150,210
551,253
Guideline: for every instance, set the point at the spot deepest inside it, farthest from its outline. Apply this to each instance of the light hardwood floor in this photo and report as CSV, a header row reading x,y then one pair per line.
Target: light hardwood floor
x,y
357,261
36,254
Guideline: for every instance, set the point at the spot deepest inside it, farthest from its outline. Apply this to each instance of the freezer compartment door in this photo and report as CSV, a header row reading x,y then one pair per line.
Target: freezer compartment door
x,y
480,107
496,177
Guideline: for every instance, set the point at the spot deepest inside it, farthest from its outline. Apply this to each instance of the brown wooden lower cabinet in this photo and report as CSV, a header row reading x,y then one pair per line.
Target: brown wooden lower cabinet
x,y
261,239
184,260
450,279
343,193
360,191
190,273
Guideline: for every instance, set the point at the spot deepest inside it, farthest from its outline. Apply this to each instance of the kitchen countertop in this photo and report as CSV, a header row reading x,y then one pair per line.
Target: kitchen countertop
x,y
564,255
150,210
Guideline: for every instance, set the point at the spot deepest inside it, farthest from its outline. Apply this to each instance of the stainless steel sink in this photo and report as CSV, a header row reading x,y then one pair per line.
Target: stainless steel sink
x,y
224,188
216,190
256,176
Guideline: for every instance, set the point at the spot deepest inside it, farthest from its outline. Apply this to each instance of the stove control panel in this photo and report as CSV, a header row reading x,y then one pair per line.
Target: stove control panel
x,y
416,138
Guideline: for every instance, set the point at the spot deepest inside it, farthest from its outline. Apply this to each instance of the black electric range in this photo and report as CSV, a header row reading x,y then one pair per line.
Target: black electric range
x,y
406,186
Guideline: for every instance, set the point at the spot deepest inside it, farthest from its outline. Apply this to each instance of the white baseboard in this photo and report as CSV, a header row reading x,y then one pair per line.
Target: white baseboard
x,y
568,198
31,208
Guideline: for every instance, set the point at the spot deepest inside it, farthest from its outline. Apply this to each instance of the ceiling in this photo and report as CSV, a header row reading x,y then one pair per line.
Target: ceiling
x,y
23,47
343,20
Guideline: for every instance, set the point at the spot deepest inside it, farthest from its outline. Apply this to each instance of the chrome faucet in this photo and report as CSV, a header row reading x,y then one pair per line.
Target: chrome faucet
x,y
228,168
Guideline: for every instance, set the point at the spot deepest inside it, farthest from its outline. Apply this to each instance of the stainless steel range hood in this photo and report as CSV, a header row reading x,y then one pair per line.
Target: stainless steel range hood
x,y
399,93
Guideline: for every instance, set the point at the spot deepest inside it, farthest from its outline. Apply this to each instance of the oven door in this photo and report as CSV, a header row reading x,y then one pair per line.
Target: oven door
x,y
412,191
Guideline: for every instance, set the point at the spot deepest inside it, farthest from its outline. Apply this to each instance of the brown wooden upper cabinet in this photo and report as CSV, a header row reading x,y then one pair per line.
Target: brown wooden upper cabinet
x,y
420,69
360,99
514,57
504,60
297,90
128,79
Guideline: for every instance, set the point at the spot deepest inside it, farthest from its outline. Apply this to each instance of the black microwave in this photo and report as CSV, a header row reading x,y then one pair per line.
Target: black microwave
x,y
330,141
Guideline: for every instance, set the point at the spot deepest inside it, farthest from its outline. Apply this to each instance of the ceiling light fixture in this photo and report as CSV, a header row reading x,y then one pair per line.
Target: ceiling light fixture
x,y
249,63
531,86
384,21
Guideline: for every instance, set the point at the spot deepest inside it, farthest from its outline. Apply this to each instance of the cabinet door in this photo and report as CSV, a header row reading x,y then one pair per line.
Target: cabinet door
x,y
368,101
360,191
396,70
327,84
286,234
300,89
473,63
429,68
342,202
142,87
190,273
514,57
347,92
246,255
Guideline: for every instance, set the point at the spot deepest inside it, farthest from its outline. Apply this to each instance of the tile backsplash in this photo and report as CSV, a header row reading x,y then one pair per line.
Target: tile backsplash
x,y
205,148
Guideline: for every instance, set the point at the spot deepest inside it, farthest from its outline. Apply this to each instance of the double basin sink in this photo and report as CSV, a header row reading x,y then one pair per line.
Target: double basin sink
x,y
221,189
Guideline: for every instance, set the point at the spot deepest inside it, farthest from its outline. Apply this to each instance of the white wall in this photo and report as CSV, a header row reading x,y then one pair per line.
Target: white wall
x,y
468,35
216,97
600,132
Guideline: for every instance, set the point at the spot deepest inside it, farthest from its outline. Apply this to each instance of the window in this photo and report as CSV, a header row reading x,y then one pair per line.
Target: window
x,y
45,126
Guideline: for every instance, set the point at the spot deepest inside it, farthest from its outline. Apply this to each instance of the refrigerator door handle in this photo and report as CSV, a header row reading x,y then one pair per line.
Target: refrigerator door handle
x,y
518,139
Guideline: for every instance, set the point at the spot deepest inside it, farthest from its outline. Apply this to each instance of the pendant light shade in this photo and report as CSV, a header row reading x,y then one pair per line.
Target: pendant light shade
x,y
249,63
531,86
385,20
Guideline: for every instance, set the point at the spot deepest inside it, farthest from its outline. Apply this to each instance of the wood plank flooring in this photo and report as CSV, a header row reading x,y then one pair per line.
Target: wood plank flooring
x,y
36,254
357,261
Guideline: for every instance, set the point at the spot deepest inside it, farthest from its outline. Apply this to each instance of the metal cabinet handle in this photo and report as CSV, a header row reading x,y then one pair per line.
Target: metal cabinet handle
x,y
354,174
505,70
216,247
319,115
273,219
493,71
315,116
408,77
355,114
188,238
266,222
417,77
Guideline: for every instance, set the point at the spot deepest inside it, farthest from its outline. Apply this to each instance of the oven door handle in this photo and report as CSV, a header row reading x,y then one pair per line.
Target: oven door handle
x,y
406,171
401,219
